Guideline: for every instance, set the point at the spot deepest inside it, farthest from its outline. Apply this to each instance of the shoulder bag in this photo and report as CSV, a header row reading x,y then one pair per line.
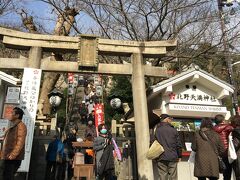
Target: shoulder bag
x,y
156,149
231,150
221,164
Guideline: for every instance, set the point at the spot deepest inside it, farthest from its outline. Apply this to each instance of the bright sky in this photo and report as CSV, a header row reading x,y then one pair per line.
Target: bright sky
x,y
43,15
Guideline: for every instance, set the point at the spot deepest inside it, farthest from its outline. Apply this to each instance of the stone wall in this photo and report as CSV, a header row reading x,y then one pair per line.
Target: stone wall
x,y
38,162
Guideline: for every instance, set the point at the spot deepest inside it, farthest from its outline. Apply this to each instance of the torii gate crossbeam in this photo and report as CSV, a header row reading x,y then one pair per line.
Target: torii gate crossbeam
x,y
38,43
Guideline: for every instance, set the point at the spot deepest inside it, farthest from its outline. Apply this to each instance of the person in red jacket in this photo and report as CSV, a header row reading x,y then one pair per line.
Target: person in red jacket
x,y
224,130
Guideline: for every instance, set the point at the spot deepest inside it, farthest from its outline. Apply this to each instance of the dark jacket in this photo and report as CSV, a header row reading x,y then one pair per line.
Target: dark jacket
x,y
223,130
236,142
106,162
168,137
55,147
206,161
98,146
83,110
14,141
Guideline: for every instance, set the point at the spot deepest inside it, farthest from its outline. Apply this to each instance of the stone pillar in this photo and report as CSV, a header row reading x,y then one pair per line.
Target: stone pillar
x,y
145,170
35,56
114,128
53,126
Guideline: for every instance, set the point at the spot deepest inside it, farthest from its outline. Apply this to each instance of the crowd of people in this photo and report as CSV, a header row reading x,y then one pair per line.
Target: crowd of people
x,y
212,142
62,168
210,145
60,154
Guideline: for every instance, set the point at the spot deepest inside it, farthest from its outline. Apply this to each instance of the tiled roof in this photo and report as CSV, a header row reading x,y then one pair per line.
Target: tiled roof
x,y
190,73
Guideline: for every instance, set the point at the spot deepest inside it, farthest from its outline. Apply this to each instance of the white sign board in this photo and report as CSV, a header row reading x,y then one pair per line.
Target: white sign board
x,y
183,107
4,125
28,102
200,95
13,95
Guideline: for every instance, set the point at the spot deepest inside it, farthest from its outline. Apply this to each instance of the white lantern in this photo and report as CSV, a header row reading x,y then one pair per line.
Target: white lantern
x,y
115,103
55,98
55,101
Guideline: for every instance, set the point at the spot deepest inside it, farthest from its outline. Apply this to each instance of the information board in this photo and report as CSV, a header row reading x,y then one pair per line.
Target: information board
x,y
28,102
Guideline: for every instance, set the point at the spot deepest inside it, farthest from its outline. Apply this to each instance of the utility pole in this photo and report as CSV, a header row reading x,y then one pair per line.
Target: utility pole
x,y
227,56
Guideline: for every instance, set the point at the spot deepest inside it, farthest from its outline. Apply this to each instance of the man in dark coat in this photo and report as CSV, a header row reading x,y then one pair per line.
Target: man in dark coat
x,y
168,137
224,130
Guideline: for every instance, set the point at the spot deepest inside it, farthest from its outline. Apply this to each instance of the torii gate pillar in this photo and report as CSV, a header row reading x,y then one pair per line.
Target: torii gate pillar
x,y
145,170
35,56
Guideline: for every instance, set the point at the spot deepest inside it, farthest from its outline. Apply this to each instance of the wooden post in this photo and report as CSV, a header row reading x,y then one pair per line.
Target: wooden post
x,y
145,170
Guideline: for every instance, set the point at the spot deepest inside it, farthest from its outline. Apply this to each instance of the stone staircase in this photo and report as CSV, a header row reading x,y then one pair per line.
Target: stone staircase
x,y
75,116
77,98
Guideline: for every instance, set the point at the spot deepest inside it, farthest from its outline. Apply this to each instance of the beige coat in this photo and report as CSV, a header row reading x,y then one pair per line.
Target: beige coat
x,y
14,141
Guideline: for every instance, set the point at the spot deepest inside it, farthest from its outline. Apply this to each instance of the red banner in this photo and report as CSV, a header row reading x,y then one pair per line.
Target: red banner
x,y
99,114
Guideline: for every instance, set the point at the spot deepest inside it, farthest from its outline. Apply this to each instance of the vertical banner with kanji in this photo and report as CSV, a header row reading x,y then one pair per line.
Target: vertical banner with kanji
x,y
28,102
99,114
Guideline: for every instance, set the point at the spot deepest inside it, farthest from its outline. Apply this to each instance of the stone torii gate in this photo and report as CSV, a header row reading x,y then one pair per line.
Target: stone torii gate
x,y
88,49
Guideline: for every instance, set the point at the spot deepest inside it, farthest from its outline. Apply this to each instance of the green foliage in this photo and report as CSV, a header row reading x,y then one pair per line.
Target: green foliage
x,y
121,88
228,103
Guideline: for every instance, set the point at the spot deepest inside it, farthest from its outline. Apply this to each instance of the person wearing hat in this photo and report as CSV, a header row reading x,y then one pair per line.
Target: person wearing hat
x,y
168,137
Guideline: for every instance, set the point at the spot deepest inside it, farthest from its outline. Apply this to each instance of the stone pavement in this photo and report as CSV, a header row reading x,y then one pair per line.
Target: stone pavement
x,y
185,171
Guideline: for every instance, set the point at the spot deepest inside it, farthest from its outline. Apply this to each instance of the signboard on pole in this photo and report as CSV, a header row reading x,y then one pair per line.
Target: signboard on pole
x,y
13,95
28,102
99,114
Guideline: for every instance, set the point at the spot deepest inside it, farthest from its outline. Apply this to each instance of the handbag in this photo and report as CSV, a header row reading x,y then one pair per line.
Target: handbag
x,y
231,150
191,158
221,165
156,149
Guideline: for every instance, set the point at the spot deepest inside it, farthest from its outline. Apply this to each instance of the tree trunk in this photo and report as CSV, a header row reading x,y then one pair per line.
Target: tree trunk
x,y
62,28
48,84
